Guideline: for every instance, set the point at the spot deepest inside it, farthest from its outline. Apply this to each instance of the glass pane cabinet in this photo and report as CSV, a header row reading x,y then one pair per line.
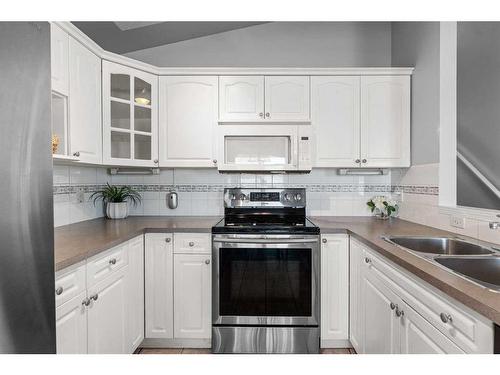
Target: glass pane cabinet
x,y
130,103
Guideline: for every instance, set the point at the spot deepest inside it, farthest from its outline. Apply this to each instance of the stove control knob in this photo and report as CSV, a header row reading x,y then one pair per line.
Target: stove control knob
x,y
298,197
287,197
242,197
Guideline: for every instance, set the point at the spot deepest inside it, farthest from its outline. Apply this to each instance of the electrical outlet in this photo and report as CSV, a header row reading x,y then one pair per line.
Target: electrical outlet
x,y
457,222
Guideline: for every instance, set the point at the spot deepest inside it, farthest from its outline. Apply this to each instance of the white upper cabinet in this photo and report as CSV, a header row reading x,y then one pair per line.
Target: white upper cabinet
x,y
59,40
385,121
335,119
130,115
85,127
286,98
188,120
241,98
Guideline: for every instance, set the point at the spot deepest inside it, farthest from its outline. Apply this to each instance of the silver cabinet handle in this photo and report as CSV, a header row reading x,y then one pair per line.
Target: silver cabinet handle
x,y
494,225
94,297
261,114
59,290
155,161
357,161
191,244
446,318
214,161
207,261
364,161
168,239
368,260
112,261
398,311
77,154
392,305
268,114
86,302
324,240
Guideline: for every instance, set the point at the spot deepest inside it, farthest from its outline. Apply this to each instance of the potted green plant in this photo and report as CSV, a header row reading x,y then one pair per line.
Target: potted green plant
x,y
115,198
383,207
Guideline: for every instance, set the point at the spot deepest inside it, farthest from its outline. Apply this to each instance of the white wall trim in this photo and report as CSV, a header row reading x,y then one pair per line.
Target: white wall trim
x,y
127,61
448,114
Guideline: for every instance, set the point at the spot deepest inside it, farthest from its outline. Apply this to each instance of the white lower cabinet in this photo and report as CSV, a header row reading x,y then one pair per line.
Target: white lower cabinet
x,y
107,315
334,290
192,296
393,312
159,286
71,326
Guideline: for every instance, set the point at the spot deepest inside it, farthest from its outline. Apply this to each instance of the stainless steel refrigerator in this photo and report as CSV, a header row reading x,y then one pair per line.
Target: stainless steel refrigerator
x,y
27,306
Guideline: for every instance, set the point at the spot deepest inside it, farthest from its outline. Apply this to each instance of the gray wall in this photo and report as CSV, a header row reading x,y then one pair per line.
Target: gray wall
x,y
281,44
478,110
417,44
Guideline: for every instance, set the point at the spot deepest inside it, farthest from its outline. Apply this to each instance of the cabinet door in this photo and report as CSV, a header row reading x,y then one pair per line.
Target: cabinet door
x,y
334,290
336,121
380,323
287,98
188,120
130,115
85,130
356,302
418,336
107,315
158,285
59,59
385,121
192,296
71,326
135,292
241,98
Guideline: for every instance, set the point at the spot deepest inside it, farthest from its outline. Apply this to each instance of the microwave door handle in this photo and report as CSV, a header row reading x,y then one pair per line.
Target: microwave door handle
x,y
265,241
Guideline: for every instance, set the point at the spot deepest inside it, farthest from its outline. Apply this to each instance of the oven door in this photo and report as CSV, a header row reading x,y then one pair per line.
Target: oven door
x,y
266,280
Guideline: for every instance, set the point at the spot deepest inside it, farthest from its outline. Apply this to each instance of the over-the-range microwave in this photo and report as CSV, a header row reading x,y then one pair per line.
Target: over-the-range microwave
x,y
264,148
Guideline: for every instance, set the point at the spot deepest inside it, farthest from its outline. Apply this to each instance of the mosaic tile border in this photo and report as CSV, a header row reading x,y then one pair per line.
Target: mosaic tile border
x,y
319,188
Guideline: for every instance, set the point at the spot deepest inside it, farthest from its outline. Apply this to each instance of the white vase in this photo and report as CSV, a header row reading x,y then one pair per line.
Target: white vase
x,y
117,210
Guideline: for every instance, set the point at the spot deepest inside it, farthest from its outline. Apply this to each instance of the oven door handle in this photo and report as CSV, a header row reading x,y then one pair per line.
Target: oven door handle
x,y
265,240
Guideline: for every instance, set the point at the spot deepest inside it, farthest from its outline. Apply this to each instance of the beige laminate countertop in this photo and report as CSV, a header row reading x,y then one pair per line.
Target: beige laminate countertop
x,y
77,242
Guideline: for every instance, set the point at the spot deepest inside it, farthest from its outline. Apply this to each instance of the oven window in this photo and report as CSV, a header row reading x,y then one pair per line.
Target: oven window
x,y
265,282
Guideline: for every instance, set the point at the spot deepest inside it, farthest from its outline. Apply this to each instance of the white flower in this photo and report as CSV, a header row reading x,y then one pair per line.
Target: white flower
x,y
378,201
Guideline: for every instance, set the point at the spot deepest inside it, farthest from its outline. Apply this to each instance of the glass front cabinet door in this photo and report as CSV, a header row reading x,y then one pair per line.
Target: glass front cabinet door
x,y
130,116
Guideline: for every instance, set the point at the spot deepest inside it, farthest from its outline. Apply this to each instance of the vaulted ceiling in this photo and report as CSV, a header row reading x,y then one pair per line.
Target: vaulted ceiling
x,y
123,37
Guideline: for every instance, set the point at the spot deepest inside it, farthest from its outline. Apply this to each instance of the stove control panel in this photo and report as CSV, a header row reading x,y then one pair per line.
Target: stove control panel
x,y
247,197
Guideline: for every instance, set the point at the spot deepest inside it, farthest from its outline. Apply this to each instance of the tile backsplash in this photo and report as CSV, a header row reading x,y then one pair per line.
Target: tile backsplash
x,y
200,191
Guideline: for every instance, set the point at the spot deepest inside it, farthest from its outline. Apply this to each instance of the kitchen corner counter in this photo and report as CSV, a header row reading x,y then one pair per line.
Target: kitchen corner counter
x,y
79,241
369,230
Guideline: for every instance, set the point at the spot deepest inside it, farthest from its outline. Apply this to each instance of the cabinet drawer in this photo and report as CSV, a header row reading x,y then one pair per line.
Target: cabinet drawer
x,y
104,264
466,328
69,283
193,243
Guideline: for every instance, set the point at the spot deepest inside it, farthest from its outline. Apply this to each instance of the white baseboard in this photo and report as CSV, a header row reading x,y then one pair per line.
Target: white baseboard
x,y
177,343
333,344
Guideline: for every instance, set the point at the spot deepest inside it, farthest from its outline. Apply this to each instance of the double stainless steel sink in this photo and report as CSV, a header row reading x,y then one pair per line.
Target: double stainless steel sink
x,y
479,263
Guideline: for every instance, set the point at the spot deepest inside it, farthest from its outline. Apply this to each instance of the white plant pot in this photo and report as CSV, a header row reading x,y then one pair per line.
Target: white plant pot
x,y
117,210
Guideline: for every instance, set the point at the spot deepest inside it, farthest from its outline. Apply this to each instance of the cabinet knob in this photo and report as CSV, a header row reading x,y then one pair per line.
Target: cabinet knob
x,y
445,318
191,244
399,312
357,161
268,114
363,161
59,290
112,261
94,297
155,161
261,114
86,302
324,240
368,260
392,305
214,161
207,261
168,239
77,154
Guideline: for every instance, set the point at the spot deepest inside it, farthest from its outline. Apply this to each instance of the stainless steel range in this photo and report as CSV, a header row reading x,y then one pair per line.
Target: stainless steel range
x,y
266,259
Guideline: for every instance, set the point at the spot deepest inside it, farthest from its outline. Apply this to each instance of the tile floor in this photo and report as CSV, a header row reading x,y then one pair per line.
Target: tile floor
x,y
207,351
